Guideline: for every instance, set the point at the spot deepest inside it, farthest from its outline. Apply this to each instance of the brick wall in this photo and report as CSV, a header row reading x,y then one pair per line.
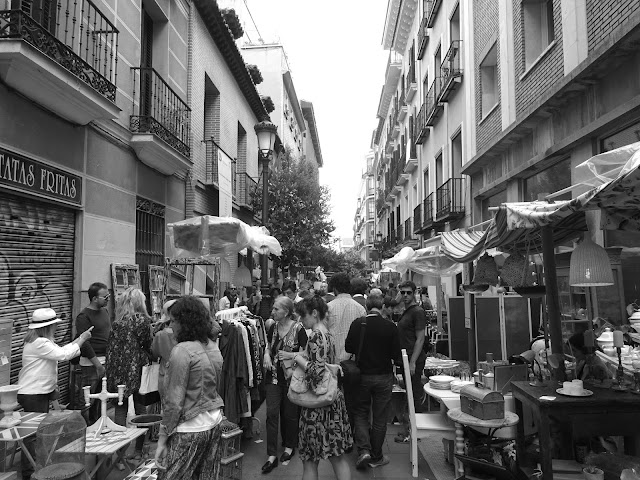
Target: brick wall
x,y
604,16
485,31
545,72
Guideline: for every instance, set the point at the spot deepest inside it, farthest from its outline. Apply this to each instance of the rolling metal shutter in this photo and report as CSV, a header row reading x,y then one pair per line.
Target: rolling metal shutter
x,y
36,271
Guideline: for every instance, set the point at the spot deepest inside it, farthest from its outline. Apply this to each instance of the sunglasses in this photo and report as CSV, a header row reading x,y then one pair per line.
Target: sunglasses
x,y
408,292
106,297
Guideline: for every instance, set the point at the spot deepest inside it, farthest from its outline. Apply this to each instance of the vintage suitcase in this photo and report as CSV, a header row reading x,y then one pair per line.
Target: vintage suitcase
x,y
481,402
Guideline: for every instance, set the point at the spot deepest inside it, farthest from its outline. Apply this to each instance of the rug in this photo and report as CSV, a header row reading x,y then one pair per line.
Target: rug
x,y
433,452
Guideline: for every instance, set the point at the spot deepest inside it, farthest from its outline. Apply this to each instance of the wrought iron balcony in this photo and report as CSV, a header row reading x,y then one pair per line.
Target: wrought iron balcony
x,y
450,199
408,231
410,87
399,234
432,7
423,37
73,33
245,190
427,209
211,159
392,238
451,70
158,110
417,219
432,101
420,128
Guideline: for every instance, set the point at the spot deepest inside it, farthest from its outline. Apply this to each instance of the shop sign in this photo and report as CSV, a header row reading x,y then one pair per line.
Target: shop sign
x,y
28,175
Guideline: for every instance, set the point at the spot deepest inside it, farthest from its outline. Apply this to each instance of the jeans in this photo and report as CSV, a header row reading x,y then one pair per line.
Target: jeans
x,y
416,382
121,418
372,401
32,403
280,407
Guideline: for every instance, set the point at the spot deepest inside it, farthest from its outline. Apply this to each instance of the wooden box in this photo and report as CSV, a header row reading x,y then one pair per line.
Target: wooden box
x,y
481,402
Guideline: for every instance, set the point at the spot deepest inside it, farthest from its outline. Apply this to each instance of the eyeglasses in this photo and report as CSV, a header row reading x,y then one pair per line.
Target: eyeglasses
x,y
106,297
408,292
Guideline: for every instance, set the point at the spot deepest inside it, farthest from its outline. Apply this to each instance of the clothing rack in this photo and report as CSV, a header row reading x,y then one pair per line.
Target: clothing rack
x,y
232,313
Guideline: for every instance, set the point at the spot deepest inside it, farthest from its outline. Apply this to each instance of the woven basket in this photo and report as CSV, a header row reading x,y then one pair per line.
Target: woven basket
x,y
486,271
516,272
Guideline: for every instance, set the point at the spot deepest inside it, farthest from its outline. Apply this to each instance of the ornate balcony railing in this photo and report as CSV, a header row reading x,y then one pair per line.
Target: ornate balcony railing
x,y
427,208
157,109
451,70
211,163
432,102
432,7
408,231
417,218
399,234
450,197
74,34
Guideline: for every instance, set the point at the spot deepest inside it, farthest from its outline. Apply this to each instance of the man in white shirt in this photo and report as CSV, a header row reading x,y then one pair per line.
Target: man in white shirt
x,y
342,311
230,298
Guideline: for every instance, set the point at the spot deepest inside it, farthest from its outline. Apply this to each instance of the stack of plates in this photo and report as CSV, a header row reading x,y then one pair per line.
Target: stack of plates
x,y
456,385
440,382
433,363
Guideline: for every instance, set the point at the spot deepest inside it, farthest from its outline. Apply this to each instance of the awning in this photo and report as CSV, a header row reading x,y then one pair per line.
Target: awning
x,y
614,178
425,261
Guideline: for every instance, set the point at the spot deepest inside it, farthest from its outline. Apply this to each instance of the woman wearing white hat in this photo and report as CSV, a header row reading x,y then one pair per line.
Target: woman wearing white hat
x,y
38,376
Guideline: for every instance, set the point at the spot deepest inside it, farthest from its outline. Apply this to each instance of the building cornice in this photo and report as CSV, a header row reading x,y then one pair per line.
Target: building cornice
x,y
309,115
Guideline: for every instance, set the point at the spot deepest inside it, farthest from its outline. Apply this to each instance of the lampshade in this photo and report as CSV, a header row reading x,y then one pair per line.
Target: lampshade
x,y
486,271
266,133
590,266
225,270
242,277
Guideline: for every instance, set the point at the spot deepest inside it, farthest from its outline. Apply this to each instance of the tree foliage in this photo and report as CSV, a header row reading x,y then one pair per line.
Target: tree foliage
x,y
298,211
331,260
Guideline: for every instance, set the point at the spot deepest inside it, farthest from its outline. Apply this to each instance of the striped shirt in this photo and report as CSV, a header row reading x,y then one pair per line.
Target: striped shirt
x,y
342,311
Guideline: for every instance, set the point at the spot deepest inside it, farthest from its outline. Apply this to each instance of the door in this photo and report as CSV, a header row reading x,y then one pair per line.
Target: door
x,y
146,65
36,271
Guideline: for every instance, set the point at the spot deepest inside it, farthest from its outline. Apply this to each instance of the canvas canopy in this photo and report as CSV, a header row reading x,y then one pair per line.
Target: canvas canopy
x,y
613,182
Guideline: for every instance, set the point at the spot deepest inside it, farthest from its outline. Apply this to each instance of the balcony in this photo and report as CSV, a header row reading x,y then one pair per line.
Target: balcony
x,y
403,176
409,238
450,199
245,190
423,37
451,71
389,146
66,64
434,106
431,9
160,123
411,87
399,235
420,128
427,208
402,113
410,164
417,219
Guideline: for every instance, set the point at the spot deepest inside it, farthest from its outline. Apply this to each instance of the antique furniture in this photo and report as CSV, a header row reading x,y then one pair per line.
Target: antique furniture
x,y
481,402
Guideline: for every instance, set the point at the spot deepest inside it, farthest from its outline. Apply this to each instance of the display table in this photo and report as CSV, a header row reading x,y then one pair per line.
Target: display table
x,y
462,419
104,447
606,412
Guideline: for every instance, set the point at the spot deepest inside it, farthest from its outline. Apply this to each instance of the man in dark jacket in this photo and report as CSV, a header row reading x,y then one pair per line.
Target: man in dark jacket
x,y
380,348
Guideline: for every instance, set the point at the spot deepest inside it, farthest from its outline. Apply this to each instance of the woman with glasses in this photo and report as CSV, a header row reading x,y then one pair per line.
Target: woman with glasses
x,y
411,331
128,351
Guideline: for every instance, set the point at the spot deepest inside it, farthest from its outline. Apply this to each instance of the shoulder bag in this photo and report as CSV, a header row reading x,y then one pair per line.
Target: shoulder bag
x,y
323,394
350,369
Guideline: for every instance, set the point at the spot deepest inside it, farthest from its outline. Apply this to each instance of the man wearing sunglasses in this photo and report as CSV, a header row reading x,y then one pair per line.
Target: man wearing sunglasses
x,y
411,328
93,351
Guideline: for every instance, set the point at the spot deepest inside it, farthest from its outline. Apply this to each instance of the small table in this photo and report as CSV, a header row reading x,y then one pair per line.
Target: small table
x,y
28,427
460,418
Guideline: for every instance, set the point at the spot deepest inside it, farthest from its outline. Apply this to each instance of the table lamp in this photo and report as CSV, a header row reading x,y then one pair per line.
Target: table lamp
x,y
529,357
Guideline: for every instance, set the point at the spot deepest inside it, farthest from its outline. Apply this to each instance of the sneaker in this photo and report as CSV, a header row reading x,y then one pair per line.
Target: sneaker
x,y
363,460
402,438
379,462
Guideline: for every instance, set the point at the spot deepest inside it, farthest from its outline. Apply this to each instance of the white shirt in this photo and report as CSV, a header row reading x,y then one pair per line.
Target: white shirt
x,y
202,423
225,303
39,373
343,310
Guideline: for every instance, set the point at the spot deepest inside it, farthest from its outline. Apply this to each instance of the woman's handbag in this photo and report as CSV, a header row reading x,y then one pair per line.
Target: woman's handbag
x,y
287,367
149,379
324,394
350,370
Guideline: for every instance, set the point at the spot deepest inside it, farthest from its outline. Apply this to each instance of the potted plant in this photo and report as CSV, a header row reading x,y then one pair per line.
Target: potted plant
x,y
592,472
233,22
254,71
268,104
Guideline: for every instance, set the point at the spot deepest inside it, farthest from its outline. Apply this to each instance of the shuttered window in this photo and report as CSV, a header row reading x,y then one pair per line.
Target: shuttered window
x,y
36,271
149,240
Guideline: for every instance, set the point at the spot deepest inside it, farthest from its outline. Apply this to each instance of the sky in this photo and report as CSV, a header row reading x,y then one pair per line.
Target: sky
x,y
337,62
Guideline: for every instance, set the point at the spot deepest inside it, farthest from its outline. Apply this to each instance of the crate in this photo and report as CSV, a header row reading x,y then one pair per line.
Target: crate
x,y
481,403
231,467
230,443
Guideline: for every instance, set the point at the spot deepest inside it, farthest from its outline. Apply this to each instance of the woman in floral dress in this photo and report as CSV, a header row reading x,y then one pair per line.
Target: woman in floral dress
x,y
129,349
324,432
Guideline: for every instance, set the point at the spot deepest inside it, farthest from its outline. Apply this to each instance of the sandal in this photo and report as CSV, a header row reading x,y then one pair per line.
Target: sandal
x,y
402,438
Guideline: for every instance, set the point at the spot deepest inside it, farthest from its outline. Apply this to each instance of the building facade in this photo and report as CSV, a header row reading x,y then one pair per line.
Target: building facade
x,y
364,232
103,144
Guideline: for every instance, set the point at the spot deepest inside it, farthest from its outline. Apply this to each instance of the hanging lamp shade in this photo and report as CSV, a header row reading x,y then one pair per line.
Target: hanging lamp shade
x,y
515,271
225,270
242,277
486,271
590,265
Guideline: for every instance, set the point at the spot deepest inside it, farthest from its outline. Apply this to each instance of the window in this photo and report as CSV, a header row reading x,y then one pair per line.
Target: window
x,y
437,61
537,21
489,80
425,183
371,209
621,138
548,181
439,171
493,201
454,24
456,155
149,239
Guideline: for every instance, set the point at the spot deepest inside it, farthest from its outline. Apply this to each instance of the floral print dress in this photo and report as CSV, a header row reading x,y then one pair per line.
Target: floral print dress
x,y
325,431
129,349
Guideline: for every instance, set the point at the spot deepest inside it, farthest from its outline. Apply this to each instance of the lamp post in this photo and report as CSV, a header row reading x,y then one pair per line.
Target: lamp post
x,y
266,133
377,246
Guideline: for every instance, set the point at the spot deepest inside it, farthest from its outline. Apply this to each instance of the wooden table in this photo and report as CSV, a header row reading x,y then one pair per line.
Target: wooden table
x,y
104,447
460,418
606,412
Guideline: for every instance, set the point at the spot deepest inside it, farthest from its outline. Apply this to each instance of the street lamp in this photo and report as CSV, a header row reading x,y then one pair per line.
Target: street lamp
x,y
378,247
266,133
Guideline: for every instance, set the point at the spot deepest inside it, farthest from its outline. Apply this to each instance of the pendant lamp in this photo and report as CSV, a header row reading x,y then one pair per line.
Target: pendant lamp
x,y
225,270
589,265
242,277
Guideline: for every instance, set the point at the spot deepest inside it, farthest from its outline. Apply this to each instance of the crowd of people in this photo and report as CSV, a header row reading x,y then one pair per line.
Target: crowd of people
x,y
308,330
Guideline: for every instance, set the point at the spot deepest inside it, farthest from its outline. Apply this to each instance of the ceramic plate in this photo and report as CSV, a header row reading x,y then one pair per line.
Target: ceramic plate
x,y
585,393
441,379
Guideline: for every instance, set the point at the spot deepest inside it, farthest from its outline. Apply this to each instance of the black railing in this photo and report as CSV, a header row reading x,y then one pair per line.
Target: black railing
x,y
399,234
211,162
73,33
420,127
427,208
432,102
392,238
450,199
417,218
408,231
157,109
423,37
451,70
432,7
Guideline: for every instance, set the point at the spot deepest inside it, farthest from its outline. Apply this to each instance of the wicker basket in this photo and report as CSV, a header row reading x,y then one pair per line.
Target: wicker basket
x,y
516,272
486,271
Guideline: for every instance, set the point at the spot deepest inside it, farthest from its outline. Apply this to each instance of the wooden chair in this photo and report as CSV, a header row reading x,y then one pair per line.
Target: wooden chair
x,y
422,425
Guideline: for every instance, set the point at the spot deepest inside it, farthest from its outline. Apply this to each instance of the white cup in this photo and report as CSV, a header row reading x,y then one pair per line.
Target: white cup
x,y
578,387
